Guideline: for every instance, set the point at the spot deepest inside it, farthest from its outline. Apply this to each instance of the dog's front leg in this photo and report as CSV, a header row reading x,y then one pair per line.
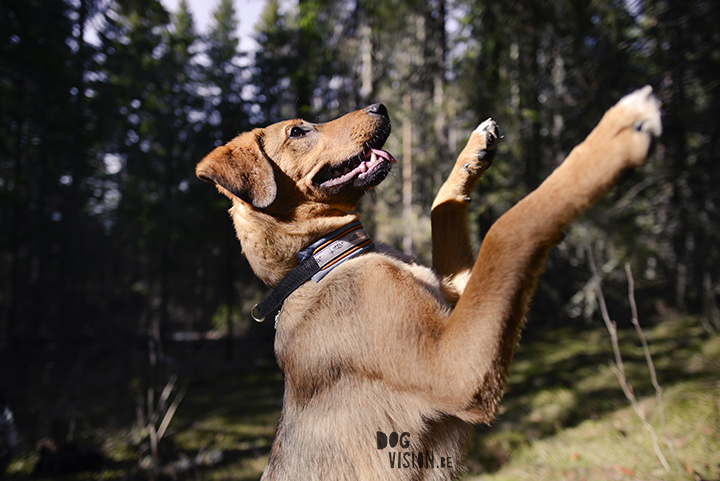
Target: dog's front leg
x,y
453,256
476,348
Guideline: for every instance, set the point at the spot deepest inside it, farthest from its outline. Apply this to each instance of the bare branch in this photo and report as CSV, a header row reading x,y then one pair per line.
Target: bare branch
x,y
650,363
619,369
170,413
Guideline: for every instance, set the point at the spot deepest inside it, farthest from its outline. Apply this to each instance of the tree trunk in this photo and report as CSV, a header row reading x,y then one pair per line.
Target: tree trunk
x,y
407,175
17,214
366,59
441,128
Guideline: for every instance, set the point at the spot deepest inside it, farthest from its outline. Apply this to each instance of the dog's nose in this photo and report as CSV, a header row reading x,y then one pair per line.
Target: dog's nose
x,y
377,109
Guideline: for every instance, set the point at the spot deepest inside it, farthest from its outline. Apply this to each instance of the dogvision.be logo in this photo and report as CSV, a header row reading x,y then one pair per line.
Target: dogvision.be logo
x,y
401,458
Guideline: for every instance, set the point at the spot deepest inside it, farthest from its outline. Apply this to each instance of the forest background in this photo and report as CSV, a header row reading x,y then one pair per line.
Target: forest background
x,y
113,252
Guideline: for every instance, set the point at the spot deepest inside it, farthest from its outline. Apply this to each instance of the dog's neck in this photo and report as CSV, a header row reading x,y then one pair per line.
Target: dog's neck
x,y
316,261
272,258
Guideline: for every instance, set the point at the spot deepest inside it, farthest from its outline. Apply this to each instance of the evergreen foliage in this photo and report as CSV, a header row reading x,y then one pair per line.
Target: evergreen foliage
x,y
107,106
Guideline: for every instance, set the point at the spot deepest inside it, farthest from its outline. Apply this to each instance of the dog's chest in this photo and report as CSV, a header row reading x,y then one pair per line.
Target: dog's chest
x,y
343,323
339,342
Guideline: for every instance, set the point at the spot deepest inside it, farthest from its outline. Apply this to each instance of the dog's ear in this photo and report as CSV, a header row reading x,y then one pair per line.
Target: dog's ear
x,y
242,168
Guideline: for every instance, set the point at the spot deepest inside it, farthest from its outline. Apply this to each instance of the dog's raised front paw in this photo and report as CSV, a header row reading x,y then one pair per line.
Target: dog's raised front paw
x,y
489,130
481,148
643,108
631,125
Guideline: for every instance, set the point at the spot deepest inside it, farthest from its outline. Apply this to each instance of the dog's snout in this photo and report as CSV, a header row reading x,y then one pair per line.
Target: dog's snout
x,y
377,109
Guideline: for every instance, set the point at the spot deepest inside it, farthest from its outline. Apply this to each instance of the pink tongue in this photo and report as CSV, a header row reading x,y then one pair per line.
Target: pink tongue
x,y
384,155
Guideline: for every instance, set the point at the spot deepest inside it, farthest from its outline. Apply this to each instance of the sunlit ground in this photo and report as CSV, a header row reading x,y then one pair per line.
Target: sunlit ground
x,y
563,417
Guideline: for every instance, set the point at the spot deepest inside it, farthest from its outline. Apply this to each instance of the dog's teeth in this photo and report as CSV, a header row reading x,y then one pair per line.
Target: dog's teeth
x,y
358,166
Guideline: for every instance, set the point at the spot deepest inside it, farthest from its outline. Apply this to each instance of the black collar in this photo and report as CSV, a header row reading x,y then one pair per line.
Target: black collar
x,y
316,261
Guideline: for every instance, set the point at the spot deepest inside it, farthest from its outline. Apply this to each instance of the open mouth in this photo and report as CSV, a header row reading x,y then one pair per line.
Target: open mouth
x,y
362,167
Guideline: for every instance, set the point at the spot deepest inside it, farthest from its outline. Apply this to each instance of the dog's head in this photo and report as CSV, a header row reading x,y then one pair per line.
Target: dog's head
x,y
278,168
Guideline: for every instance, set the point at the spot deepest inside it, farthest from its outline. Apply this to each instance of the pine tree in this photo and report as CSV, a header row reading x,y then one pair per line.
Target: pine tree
x,y
154,121
42,136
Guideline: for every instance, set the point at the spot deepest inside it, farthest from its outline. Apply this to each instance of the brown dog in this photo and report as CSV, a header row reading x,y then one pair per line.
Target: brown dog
x,y
388,363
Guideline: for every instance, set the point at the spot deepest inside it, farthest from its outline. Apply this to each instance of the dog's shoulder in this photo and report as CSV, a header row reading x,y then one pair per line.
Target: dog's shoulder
x,y
376,295
425,277
384,276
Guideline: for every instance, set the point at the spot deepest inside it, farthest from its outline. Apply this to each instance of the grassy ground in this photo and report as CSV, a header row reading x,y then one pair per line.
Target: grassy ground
x,y
563,417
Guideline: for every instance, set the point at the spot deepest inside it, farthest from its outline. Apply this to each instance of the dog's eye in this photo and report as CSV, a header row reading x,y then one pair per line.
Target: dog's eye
x,y
296,132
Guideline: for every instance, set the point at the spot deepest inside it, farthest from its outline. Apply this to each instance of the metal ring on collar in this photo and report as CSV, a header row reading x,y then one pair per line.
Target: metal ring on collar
x,y
255,315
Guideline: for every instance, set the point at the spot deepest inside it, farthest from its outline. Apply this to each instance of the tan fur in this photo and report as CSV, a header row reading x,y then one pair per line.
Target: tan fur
x,y
382,343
